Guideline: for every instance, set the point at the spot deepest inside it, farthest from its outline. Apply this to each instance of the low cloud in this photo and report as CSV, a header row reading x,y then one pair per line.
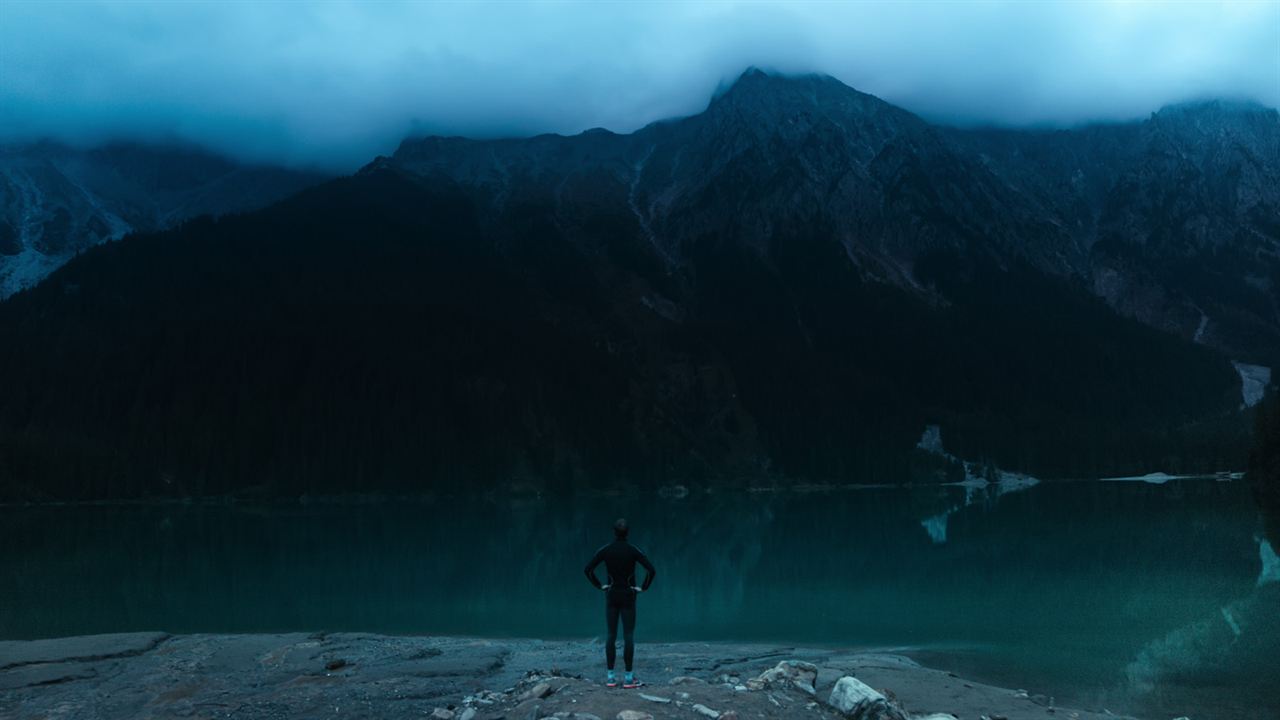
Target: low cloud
x,y
335,83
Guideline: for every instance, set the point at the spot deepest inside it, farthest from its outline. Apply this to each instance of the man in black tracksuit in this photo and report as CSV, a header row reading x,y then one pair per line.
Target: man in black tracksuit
x,y
620,588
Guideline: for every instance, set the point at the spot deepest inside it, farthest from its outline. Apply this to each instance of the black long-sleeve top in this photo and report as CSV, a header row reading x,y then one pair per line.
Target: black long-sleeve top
x,y
620,558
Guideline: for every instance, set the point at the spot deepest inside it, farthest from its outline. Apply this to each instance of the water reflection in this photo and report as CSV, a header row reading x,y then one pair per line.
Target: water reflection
x,y
1071,588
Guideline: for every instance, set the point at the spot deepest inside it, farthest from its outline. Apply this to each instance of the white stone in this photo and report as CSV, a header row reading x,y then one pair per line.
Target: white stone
x,y
801,674
705,711
850,692
856,699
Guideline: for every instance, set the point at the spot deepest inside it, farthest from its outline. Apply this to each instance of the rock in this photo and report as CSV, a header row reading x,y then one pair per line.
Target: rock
x,y
530,709
687,680
740,688
754,684
336,664
467,714
83,648
705,711
673,492
442,714
655,698
585,716
634,715
858,700
797,673
45,674
538,691
936,716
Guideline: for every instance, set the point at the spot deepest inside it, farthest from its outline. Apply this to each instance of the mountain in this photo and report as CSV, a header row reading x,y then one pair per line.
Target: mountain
x,y
788,286
1177,215
1172,220
56,201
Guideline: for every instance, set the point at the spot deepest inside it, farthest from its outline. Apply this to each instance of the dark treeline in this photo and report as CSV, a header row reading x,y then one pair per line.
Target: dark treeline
x,y
1264,464
375,334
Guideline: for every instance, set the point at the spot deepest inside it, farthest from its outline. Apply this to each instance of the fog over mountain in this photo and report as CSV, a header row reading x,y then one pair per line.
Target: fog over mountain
x,y
333,84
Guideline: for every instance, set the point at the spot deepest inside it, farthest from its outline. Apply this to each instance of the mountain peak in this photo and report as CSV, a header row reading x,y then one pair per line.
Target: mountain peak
x,y
754,81
761,95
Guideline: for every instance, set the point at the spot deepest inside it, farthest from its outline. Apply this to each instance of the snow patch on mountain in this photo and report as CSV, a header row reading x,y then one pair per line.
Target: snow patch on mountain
x,y
1254,380
1204,324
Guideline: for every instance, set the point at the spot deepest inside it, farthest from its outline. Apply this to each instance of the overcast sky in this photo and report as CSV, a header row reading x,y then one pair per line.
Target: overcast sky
x,y
335,83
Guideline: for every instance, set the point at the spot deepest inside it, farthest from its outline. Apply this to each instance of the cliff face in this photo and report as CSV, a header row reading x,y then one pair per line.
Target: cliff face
x,y
1174,218
56,201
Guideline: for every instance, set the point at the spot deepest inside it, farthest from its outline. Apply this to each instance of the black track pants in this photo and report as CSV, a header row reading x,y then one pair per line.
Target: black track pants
x,y
623,606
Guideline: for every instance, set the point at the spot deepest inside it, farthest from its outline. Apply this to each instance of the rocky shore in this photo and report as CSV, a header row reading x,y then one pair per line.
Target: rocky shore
x,y
345,675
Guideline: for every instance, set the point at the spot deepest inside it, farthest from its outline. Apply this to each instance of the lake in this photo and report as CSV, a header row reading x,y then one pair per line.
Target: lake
x,y
1126,595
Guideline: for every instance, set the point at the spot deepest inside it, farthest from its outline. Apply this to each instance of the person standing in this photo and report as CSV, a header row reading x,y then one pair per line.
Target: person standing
x,y
620,588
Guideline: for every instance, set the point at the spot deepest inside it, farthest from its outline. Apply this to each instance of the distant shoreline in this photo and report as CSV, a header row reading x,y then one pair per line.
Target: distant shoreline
x,y
430,497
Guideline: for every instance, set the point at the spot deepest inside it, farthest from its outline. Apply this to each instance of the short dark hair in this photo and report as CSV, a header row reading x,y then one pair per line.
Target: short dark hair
x,y
621,528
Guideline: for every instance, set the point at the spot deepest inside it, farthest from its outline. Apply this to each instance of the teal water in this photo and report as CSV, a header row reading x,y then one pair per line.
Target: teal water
x,y
1085,591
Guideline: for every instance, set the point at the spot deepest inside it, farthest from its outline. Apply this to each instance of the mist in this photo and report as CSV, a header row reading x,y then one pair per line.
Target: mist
x,y
334,84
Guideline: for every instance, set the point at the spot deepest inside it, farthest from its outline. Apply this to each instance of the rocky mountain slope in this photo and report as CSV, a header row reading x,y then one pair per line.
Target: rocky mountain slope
x,y
1175,217
791,284
1174,220
56,201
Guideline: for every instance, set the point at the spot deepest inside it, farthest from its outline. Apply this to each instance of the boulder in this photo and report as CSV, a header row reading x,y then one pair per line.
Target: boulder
x,y
797,673
442,714
634,715
859,701
539,691
705,711
530,709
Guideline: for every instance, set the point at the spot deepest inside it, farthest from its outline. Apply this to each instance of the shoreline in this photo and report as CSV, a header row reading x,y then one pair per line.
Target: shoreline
x,y
305,675
664,491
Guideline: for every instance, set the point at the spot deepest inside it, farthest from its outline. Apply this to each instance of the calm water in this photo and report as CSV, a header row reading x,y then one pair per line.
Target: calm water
x,y
1121,595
